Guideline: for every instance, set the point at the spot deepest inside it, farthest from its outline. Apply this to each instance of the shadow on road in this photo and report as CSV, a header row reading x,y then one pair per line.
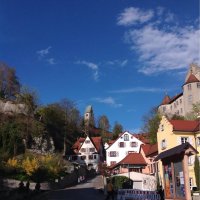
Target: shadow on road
x,y
74,194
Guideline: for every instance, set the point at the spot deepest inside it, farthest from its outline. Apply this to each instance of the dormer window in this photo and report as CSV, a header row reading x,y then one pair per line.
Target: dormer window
x,y
198,85
87,141
126,137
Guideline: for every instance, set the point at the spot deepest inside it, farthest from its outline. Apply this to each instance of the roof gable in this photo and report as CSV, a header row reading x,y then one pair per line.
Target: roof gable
x,y
192,79
122,135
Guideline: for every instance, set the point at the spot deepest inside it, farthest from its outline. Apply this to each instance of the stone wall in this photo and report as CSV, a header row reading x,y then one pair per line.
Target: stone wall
x,y
9,107
73,178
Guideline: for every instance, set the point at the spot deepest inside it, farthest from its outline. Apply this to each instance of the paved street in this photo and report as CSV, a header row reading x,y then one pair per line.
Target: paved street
x,y
90,190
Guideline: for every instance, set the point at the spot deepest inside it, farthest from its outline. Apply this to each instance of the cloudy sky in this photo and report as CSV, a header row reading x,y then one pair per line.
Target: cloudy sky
x,y
119,56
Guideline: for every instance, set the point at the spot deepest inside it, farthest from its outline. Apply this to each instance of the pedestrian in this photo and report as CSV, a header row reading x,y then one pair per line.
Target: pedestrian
x,y
110,190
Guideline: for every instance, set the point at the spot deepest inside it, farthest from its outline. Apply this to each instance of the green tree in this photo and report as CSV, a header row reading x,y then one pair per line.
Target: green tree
x,y
151,124
62,122
9,83
29,98
193,115
117,129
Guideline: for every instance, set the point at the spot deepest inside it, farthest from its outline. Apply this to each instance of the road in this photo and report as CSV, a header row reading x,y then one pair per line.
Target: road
x,y
89,190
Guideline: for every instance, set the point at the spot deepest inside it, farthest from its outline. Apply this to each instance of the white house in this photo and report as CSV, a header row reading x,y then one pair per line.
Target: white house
x,y
125,144
88,151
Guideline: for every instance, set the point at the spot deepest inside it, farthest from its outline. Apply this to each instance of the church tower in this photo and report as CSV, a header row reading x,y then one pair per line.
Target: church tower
x,y
89,116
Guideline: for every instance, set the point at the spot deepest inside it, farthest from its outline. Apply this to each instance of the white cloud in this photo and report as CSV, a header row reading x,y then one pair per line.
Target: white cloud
x,y
131,16
120,63
161,50
94,67
138,89
160,44
51,61
109,101
44,52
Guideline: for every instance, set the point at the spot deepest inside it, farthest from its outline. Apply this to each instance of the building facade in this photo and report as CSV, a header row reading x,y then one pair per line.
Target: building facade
x,y
182,103
125,144
172,133
88,151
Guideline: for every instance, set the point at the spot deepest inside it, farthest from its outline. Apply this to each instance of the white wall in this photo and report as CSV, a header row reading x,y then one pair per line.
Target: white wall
x,y
143,181
122,152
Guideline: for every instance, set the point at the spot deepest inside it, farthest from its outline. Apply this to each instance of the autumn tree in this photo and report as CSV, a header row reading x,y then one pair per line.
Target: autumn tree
x,y
62,122
151,124
9,83
117,129
193,115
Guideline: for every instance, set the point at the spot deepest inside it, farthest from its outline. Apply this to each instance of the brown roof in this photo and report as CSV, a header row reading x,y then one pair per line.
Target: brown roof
x,y
97,141
166,100
192,79
175,97
185,125
150,149
133,159
175,151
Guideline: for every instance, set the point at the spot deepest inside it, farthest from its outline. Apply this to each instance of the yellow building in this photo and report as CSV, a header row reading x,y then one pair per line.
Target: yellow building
x,y
172,133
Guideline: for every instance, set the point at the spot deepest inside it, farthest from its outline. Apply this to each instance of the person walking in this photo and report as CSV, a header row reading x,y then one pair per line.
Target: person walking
x,y
110,190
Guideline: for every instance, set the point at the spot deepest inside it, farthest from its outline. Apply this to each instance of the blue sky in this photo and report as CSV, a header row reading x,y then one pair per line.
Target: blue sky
x,y
118,56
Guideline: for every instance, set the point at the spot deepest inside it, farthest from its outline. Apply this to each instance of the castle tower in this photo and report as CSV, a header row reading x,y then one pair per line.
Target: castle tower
x,y
191,91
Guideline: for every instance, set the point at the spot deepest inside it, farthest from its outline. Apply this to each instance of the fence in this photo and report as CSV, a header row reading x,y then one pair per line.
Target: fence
x,y
131,194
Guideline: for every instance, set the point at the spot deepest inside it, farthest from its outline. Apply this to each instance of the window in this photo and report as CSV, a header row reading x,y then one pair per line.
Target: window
x,y
171,107
191,183
198,141
181,110
190,99
87,141
121,144
177,103
162,127
198,85
113,154
95,157
126,137
180,101
83,157
90,157
163,144
189,86
92,149
184,140
83,150
134,144
164,108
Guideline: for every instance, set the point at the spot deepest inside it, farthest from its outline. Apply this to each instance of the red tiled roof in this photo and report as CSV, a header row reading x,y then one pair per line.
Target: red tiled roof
x,y
175,97
97,142
185,125
150,149
192,79
166,100
133,159
78,143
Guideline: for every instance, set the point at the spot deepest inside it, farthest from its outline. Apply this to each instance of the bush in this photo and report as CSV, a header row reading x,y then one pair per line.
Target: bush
x,y
118,181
